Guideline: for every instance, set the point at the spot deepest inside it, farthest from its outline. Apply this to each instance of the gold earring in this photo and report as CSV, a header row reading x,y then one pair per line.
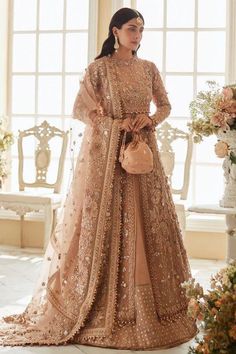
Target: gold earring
x,y
116,45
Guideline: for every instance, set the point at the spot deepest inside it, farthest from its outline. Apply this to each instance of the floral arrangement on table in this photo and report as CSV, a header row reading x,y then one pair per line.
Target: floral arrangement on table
x,y
6,140
215,312
214,111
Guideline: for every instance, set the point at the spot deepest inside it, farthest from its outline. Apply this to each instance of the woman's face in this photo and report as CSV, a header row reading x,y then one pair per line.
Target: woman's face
x,y
130,34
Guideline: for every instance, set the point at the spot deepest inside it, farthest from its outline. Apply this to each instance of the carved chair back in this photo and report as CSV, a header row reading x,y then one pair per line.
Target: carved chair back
x,y
166,135
43,133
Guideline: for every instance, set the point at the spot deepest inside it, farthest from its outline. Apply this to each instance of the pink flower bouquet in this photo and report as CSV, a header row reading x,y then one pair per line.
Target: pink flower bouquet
x,y
215,312
213,111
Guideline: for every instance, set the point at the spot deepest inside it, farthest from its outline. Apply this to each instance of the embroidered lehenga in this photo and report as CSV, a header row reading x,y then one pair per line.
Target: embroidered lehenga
x,y
112,271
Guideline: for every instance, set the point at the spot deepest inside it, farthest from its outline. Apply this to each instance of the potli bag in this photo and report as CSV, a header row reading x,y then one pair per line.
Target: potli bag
x,y
136,157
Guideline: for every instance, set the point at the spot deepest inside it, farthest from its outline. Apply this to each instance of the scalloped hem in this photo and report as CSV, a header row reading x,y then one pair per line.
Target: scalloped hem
x,y
130,337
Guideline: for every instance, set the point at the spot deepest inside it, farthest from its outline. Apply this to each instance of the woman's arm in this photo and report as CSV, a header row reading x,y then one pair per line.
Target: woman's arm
x,y
159,98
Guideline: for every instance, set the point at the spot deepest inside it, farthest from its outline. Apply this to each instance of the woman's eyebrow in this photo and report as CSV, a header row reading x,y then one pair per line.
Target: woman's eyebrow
x,y
135,26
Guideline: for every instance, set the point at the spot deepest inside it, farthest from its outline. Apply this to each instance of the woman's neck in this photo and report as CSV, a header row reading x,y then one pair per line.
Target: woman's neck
x,y
123,53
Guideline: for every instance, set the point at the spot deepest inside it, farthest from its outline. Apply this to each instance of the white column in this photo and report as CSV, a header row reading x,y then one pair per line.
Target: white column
x,y
93,30
116,5
5,23
231,42
4,8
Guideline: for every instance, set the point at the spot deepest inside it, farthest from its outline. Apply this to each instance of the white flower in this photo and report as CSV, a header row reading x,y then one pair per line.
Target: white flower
x,y
226,281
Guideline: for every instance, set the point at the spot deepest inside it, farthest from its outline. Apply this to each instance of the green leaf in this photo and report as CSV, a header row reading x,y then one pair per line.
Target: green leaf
x,y
233,126
232,158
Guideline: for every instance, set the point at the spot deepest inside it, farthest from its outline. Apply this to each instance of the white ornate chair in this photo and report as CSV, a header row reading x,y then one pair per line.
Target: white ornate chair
x,y
166,135
35,199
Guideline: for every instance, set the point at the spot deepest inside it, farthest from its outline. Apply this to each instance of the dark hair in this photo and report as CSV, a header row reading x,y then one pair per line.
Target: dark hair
x,y
120,17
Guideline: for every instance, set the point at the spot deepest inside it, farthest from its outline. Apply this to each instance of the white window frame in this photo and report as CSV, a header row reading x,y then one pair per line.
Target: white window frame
x,y
6,34
200,222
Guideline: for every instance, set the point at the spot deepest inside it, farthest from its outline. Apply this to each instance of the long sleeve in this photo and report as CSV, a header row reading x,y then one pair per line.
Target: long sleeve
x,y
159,97
86,106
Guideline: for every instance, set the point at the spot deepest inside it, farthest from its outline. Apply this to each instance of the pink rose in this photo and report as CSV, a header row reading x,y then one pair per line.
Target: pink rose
x,y
220,120
221,149
232,107
227,93
224,104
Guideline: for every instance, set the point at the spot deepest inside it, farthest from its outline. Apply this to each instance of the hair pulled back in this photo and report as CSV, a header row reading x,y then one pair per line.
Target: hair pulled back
x,y
120,17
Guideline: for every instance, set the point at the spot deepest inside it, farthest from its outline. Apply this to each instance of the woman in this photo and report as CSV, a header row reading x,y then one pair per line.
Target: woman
x,y
114,265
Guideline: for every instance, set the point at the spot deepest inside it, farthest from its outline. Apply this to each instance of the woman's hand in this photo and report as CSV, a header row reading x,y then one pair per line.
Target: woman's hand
x,y
141,121
126,125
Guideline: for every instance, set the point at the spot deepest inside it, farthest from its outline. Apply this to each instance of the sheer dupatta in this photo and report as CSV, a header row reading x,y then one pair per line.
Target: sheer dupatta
x,y
71,268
